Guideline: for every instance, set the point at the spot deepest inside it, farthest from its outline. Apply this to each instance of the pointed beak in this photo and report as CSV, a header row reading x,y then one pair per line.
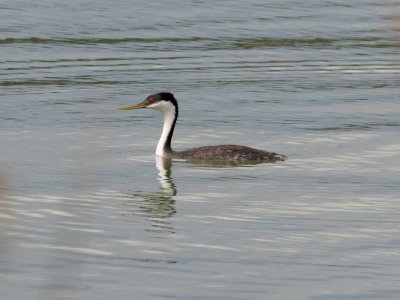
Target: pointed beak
x,y
136,106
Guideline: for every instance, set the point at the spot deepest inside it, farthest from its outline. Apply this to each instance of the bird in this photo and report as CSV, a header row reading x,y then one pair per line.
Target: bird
x,y
166,103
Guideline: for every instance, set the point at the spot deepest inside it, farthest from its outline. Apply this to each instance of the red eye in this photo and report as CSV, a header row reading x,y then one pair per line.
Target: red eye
x,y
151,101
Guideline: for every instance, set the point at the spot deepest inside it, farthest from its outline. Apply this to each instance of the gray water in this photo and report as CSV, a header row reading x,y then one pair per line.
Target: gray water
x,y
87,212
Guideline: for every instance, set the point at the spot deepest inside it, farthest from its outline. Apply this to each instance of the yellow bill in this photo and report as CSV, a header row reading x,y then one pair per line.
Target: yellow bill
x,y
136,106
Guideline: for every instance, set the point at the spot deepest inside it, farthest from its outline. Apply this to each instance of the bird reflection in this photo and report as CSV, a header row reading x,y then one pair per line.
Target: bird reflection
x,y
160,204
164,171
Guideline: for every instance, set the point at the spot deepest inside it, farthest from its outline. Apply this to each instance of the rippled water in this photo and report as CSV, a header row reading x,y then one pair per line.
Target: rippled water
x,y
87,212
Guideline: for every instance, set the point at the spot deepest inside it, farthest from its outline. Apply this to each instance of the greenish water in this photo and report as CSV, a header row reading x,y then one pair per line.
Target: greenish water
x,y
87,212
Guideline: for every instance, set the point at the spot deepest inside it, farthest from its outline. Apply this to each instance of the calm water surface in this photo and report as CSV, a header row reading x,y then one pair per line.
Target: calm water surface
x,y
87,212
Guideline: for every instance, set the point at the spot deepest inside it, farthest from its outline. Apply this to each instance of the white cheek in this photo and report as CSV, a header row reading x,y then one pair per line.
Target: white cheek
x,y
153,106
162,106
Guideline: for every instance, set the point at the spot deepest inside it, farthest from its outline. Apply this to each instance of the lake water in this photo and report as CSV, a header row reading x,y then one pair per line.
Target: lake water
x,y
87,212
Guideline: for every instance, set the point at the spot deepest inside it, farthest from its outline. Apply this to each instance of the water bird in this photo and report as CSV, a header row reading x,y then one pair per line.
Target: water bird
x,y
166,103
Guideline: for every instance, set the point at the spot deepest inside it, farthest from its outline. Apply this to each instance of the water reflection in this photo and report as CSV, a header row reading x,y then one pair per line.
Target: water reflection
x,y
4,213
159,204
2,189
228,163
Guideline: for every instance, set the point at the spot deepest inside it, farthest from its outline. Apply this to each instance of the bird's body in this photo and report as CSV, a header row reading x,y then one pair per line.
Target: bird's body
x,y
227,152
168,106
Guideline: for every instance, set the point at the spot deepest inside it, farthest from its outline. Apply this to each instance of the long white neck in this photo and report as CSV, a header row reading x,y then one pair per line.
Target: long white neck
x,y
170,115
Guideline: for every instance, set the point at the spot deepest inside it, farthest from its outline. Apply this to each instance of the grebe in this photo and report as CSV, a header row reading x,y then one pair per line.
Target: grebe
x,y
168,106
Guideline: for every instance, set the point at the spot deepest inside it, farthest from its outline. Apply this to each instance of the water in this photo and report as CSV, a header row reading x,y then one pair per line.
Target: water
x,y
88,213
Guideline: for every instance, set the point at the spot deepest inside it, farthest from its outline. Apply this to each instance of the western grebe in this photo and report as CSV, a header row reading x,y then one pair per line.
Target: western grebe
x,y
168,106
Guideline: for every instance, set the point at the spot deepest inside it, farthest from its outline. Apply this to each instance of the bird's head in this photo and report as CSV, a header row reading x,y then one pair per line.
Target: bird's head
x,y
161,101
